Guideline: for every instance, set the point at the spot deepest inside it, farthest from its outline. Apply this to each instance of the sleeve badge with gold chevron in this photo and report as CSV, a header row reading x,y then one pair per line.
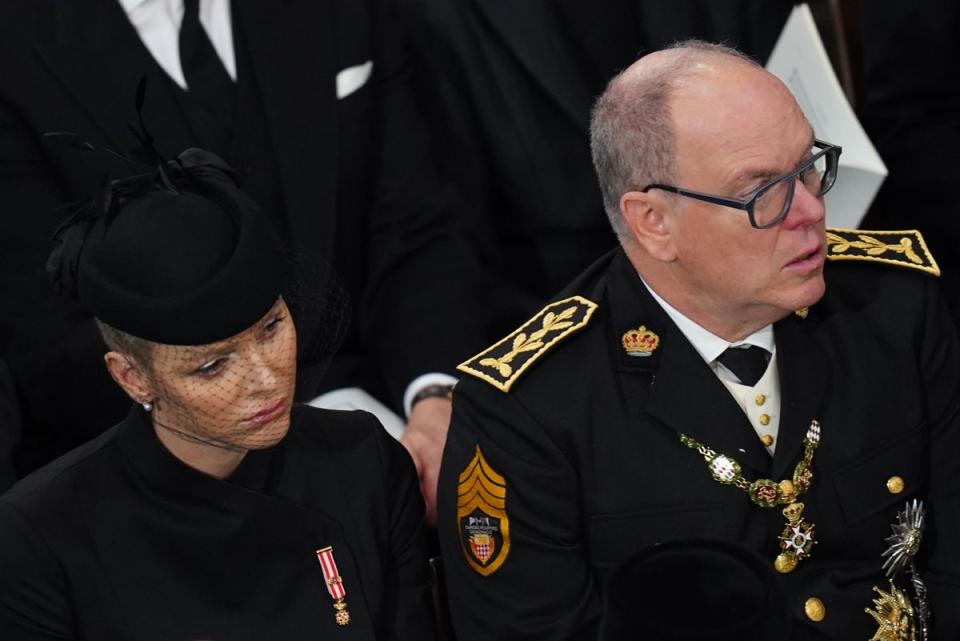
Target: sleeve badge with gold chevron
x,y
482,516
503,363
902,248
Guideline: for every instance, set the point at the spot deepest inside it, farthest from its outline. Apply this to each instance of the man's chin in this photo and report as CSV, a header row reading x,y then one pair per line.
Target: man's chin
x,y
811,291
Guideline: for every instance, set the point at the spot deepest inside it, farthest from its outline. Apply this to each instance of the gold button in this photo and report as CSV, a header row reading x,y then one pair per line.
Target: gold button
x,y
814,609
895,484
767,440
760,399
764,419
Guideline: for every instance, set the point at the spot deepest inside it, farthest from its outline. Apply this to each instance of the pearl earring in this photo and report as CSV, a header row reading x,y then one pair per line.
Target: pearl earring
x,y
147,406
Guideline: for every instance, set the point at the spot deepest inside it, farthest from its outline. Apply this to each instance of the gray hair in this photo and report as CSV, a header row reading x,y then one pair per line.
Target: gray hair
x,y
140,349
631,133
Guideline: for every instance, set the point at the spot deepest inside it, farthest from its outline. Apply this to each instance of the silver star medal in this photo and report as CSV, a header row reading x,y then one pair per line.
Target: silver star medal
x,y
898,557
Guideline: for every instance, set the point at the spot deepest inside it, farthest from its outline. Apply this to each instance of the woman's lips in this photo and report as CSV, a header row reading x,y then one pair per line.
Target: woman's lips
x,y
269,413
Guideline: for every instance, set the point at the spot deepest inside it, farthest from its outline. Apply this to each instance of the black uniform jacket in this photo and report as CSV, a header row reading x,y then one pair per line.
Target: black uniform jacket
x,y
348,179
586,442
120,540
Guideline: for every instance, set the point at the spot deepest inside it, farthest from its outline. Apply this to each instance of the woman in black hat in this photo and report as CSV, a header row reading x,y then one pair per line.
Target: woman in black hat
x,y
218,509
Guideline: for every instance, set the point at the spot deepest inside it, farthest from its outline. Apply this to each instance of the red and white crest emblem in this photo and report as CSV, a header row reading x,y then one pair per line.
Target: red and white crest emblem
x,y
483,546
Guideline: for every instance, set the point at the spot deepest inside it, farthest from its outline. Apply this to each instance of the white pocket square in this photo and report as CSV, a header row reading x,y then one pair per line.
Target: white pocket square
x,y
352,78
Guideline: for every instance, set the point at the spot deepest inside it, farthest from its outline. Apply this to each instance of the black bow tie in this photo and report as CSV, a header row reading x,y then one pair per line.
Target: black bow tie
x,y
748,363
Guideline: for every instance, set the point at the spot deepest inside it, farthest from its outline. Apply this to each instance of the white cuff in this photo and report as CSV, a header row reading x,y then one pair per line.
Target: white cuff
x,y
354,398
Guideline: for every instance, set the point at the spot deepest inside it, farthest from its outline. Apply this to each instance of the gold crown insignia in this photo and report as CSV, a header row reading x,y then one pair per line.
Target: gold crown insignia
x,y
640,341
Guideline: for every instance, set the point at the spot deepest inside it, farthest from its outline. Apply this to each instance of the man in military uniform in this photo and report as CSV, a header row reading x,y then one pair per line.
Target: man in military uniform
x,y
713,379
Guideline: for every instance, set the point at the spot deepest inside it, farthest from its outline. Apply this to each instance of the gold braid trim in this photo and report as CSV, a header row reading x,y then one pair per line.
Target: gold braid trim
x,y
503,363
908,248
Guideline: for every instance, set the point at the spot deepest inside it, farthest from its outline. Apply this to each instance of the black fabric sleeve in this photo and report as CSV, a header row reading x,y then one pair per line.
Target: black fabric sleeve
x,y
544,589
408,600
33,590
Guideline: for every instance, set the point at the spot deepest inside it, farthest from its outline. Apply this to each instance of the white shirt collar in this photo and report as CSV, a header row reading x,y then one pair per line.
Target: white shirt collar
x,y
708,344
157,22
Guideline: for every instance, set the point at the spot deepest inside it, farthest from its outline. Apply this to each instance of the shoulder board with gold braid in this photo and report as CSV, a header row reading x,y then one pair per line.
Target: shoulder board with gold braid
x,y
902,248
503,363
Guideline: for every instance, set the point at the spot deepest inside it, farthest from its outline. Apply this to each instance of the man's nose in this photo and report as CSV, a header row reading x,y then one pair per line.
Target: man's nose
x,y
806,208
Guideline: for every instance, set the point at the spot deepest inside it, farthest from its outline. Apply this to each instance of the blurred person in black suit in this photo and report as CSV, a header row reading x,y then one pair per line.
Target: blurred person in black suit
x,y
910,107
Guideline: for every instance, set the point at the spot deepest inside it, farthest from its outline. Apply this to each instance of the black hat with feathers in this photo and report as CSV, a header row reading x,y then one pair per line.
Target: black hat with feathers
x,y
179,255
174,252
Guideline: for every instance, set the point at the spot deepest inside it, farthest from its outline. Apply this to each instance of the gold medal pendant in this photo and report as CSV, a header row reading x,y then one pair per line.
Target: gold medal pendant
x,y
335,586
342,615
796,540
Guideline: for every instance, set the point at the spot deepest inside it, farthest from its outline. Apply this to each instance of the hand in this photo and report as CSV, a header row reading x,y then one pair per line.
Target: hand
x,y
424,438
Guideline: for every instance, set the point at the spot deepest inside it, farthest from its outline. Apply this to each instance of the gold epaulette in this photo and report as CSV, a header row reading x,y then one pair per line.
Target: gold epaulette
x,y
503,363
905,249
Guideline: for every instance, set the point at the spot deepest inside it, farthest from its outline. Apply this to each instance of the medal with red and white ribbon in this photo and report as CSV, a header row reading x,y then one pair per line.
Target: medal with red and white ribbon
x,y
334,585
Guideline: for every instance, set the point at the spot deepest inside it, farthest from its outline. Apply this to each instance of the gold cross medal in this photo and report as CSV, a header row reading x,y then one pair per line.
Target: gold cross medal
x,y
334,585
796,540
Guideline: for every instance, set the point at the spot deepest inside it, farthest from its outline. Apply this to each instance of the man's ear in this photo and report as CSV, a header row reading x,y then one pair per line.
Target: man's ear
x,y
648,216
130,376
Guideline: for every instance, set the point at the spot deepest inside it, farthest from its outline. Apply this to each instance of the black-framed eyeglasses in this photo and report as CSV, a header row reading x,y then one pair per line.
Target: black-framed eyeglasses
x,y
771,201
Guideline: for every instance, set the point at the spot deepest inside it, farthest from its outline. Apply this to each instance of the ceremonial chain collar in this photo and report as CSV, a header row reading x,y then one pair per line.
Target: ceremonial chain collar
x,y
797,538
